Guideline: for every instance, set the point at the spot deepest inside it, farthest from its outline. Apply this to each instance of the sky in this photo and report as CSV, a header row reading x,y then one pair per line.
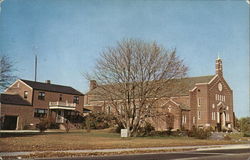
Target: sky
x,y
69,35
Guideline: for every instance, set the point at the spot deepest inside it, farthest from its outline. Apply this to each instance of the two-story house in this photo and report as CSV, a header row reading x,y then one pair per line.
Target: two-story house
x,y
25,102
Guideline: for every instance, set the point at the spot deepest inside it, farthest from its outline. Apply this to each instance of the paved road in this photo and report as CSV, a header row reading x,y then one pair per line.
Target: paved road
x,y
229,154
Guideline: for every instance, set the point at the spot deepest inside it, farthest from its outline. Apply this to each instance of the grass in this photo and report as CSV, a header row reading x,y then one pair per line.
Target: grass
x,y
96,139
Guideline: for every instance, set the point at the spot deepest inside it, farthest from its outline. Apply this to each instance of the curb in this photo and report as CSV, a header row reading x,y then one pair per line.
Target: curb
x,y
196,148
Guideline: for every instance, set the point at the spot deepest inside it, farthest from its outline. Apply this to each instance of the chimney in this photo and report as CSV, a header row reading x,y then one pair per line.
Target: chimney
x,y
219,71
92,84
47,81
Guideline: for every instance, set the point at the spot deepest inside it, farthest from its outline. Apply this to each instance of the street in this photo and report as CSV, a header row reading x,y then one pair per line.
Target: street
x,y
227,154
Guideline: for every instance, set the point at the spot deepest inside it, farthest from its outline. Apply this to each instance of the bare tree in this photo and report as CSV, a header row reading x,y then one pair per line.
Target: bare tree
x,y
6,72
133,76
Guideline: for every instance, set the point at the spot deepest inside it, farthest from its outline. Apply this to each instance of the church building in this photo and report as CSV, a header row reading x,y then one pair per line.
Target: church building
x,y
208,102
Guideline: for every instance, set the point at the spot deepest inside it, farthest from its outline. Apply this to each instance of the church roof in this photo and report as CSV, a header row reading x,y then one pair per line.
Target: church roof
x,y
189,83
51,87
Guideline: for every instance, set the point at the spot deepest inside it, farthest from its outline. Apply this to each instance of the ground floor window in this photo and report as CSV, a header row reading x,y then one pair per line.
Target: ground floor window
x,y
199,115
40,112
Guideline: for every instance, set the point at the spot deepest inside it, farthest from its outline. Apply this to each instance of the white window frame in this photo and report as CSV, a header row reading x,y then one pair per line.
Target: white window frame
x,y
199,114
199,102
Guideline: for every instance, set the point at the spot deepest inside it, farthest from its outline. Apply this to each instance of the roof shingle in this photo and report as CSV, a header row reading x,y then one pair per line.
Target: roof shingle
x,y
13,99
189,83
51,87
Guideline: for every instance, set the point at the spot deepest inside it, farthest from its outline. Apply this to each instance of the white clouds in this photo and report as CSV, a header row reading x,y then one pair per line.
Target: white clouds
x,y
0,4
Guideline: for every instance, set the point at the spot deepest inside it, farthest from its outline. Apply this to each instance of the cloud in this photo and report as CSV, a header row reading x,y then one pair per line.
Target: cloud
x,y
0,5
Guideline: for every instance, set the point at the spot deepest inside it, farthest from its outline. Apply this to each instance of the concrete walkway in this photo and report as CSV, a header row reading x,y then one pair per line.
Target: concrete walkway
x,y
31,131
198,148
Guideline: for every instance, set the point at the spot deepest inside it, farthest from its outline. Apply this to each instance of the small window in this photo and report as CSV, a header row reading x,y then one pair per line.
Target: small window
x,y
108,109
76,100
227,117
213,116
41,95
40,112
169,108
60,98
199,115
199,102
25,94
193,120
184,119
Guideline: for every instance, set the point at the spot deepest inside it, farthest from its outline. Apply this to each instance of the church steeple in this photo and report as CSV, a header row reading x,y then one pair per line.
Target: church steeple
x,y
218,67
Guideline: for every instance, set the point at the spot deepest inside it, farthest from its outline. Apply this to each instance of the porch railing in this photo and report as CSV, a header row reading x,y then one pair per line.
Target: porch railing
x,y
62,104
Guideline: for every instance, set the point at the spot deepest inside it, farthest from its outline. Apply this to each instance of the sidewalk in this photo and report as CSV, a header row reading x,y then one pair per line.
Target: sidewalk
x,y
198,148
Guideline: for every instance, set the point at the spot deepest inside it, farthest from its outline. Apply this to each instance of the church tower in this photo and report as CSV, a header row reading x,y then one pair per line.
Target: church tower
x,y
218,67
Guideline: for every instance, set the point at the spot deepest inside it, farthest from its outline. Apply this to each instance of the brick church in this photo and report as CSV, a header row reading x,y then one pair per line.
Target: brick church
x,y
208,102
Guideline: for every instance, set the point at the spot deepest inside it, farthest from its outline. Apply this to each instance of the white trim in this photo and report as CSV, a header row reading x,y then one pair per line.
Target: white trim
x,y
220,104
91,105
200,83
17,121
213,79
65,108
25,84
218,117
193,89
171,101
19,80
199,115
10,86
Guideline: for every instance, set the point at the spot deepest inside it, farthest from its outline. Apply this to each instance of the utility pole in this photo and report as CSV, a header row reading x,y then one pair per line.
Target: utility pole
x,y
35,67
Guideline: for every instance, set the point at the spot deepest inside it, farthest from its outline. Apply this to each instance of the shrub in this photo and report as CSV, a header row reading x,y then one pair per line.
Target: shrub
x,y
67,126
227,137
199,133
54,125
245,124
247,134
43,124
97,121
145,130
118,127
27,127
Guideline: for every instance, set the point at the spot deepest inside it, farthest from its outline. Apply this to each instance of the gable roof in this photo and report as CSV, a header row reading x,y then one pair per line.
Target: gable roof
x,y
190,83
13,99
51,87
181,105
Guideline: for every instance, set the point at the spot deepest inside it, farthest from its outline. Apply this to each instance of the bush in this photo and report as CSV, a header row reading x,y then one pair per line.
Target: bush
x,y
247,134
146,130
245,124
97,121
67,126
159,133
227,137
27,127
118,127
199,133
43,125
54,125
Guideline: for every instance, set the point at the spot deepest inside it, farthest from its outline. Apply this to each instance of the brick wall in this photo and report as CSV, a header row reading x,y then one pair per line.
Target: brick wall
x,y
24,113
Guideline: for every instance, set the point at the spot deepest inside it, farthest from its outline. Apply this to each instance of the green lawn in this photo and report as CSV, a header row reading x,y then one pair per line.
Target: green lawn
x,y
96,139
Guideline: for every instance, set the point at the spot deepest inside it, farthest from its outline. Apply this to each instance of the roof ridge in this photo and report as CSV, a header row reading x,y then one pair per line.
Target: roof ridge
x,y
51,87
45,83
